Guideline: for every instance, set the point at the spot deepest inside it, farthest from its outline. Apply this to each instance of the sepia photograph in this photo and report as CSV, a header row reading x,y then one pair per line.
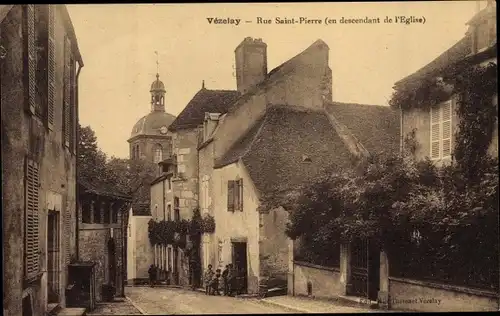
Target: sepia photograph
x,y
249,158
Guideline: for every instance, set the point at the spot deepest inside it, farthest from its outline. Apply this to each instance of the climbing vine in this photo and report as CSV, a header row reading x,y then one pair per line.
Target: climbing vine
x,y
168,232
475,88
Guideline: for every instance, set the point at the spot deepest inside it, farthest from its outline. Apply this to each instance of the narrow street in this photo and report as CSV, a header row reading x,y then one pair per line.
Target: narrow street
x,y
172,301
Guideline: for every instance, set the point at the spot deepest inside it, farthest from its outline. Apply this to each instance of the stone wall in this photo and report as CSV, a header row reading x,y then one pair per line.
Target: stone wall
x,y
23,134
273,247
147,146
431,297
324,282
186,186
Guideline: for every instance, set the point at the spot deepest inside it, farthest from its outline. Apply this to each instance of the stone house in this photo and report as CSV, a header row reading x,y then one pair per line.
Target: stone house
x,y
101,234
185,165
39,68
139,249
281,132
435,131
478,46
171,260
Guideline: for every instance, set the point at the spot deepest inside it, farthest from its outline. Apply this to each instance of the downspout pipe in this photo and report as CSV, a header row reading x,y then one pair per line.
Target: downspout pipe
x,y
77,152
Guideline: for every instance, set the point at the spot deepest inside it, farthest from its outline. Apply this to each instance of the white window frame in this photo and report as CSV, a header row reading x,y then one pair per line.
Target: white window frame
x,y
440,107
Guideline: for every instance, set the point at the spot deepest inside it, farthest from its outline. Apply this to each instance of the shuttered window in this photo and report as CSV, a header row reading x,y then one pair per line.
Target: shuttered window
x,y
230,195
30,57
441,130
31,248
51,68
235,195
67,94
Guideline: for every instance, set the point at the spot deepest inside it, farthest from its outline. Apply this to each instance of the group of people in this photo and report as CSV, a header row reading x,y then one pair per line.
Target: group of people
x,y
215,281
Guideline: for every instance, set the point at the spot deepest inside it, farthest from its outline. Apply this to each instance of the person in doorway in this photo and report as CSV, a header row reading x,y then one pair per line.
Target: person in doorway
x,y
152,275
224,280
231,279
209,274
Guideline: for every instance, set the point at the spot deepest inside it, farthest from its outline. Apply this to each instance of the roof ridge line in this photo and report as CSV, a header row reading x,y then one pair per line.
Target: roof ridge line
x,y
343,131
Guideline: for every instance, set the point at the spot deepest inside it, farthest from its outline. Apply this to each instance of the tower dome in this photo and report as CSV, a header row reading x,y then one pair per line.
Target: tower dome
x,y
157,85
149,137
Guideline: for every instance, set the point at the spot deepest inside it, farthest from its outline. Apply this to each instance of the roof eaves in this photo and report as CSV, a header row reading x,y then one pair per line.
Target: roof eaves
x,y
4,11
71,31
219,164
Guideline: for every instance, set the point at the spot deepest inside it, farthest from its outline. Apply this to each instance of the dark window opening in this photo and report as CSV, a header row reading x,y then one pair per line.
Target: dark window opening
x,y
86,216
107,213
97,213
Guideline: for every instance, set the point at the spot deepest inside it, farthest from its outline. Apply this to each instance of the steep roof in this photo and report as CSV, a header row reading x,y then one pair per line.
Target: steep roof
x,y
376,127
205,100
451,56
102,189
141,209
275,148
4,10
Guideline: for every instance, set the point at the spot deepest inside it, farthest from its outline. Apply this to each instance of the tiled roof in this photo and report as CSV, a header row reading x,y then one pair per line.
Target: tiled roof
x,y
214,101
141,209
103,189
451,56
4,10
275,148
376,127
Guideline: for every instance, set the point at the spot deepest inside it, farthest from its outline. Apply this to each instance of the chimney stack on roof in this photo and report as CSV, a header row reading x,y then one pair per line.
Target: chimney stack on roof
x,y
251,63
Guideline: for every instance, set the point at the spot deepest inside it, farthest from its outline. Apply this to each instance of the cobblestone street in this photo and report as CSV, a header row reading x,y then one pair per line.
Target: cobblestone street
x,y
120,306
172,301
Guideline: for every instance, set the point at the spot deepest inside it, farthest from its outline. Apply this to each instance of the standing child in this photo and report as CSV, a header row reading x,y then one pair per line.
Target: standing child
x,y
216,282
152,275
209,274
224,279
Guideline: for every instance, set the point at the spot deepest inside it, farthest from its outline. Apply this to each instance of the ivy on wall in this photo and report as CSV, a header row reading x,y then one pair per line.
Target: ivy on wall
x,y
475,88
168,232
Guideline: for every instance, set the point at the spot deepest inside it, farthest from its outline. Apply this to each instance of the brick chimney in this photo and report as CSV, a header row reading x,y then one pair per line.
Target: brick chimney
x,y
251,63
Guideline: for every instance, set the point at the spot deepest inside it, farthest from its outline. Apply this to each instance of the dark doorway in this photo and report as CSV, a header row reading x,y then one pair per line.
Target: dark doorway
x,y
27,308
373,271
112,261
176,266
365,269
240,265
53,269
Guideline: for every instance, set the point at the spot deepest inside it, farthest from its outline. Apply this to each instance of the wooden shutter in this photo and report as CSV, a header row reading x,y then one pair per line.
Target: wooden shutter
x,y
51,68
32,266
446,112
230,195
240,192
67,93
435,132
31,57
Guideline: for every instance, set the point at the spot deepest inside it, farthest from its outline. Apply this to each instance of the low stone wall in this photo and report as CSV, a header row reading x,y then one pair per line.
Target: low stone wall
x,y
324,281
405,294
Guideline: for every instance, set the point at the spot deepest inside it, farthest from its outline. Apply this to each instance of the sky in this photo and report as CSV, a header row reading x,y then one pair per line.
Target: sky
x,y
118,44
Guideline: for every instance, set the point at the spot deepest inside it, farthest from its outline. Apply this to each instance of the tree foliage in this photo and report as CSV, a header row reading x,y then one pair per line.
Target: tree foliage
x,y
126,176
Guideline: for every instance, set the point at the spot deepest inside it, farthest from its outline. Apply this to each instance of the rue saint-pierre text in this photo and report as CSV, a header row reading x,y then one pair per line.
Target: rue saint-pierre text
x,y
405,20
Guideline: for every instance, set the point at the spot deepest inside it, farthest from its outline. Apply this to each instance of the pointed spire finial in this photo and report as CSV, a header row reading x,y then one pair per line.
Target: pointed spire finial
x,y
203,84
157,65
